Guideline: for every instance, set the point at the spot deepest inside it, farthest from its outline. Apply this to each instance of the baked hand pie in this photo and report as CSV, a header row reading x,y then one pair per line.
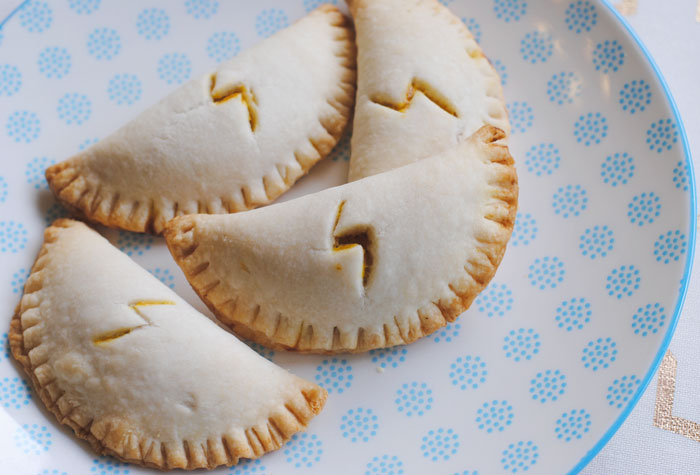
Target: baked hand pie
x,y
131,367
378,262
224,142
422,82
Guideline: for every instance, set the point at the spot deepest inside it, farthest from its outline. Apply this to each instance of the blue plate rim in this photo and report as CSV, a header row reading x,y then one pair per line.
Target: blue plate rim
x,y
590,455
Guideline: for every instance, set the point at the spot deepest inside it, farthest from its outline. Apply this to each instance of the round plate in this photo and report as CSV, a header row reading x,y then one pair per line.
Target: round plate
x,y
551,357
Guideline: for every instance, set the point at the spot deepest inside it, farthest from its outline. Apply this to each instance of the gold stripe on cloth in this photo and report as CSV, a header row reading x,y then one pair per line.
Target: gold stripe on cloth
x,y
628,7
665,392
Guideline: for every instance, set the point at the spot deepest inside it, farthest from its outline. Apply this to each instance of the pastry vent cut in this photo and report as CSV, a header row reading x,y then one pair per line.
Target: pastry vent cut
x,y
238,91
416,86
357,236
112,335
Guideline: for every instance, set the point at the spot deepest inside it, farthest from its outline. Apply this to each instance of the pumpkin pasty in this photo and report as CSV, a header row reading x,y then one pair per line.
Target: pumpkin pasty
x,y
224,142
378,262
131,367
422,82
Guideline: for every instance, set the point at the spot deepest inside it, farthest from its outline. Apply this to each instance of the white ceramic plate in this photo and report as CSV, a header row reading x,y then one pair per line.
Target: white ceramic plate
x,y
549,360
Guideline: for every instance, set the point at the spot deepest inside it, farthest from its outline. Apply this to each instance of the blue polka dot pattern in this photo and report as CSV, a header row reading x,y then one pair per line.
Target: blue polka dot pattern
x,y
13,236
670,246
314,4
104,43
342,149
521,116
573,425
54,212
223,45
23,126
124,89
546,272
14,393
623,281
468,372
359,425
608,57
35,16
263,351
536,47
269,21
164,275
496,300
644,208
133,244
621,390
635,96
10,80
648,319
521,344
525,230
249,467
86,143
596,242
448,333
570,201
5,350
55,471
108,466
202,8
548,386
303,450
510,10
439,444
617,169
34,172
414,399
54,62
564,88
33,439
573,314
519,456
153,23
389,357
334,375
591,129
84,7
542,159
501,70
494,416
581,16
174,68
662,135
385,465
3,189
473,27
74,108
680,176
19,278
599,354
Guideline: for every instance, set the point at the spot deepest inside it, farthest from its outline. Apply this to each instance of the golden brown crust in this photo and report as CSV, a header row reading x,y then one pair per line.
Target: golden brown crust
x,y
95,202
115,436
244,316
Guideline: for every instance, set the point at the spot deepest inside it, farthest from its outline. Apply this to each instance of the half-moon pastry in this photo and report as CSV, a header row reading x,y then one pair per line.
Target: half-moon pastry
x,y
423,82
134,369
227,141
373,263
